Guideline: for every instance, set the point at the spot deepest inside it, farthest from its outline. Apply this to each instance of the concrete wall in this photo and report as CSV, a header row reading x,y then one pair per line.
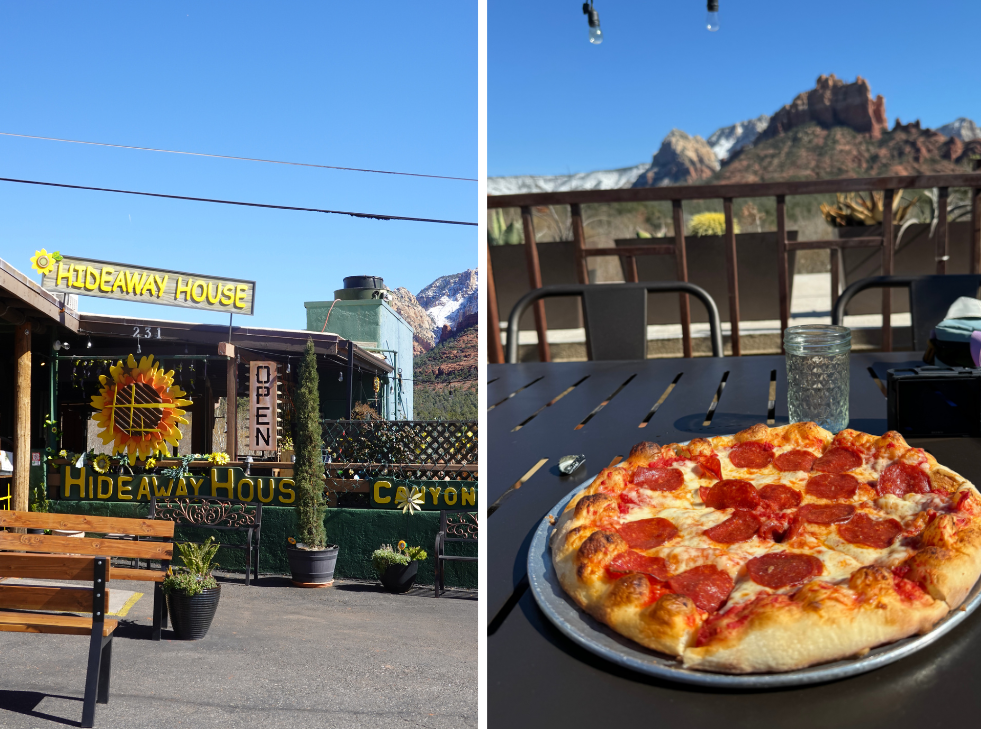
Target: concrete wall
x,y
358,532
370,323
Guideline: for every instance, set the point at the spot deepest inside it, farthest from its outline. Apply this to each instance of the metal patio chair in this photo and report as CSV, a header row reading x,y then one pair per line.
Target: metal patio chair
x,y
930,297
615,316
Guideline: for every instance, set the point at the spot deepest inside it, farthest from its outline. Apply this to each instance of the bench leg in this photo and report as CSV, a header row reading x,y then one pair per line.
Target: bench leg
x,y
159,610
105,672
248,559
93,679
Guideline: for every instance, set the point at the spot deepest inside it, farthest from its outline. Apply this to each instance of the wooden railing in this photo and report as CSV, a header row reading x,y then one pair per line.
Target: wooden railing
x,y
779,190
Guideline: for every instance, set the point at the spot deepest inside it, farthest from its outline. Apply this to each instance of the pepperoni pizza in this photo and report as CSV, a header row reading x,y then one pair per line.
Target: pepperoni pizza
x,y
773,549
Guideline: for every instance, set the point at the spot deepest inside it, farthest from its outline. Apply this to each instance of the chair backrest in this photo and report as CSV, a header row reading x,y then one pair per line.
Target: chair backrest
x,y
930,297
459,525
615,316
208,511
96,571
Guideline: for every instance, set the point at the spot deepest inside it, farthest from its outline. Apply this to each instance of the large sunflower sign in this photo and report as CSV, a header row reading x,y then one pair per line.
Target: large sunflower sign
x,y
140,409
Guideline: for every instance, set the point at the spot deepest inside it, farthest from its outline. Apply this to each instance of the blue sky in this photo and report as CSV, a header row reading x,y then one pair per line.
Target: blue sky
x,y
379,85
557,104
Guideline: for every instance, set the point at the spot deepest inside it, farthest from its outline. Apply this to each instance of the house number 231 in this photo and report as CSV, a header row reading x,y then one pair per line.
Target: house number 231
x,y
147,333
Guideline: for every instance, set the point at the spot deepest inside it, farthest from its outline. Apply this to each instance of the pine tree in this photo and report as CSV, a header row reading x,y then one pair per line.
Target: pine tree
x,y
308,471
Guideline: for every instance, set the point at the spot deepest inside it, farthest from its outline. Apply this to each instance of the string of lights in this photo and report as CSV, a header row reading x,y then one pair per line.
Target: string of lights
x,y
372,216
242,159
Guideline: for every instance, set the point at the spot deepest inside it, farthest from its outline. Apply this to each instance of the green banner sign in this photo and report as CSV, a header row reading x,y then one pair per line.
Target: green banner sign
x,y
435,495
224,483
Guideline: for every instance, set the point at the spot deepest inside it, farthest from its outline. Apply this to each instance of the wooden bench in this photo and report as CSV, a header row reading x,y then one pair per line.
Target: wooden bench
x,y
136,528
220,514
454,526
36,556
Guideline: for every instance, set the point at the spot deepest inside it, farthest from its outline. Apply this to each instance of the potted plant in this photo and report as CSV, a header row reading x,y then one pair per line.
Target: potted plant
x,y
311,560
192,592
397,568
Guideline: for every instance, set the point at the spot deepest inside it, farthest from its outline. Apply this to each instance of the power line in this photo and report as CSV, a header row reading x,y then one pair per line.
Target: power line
x,y
374,216
243,159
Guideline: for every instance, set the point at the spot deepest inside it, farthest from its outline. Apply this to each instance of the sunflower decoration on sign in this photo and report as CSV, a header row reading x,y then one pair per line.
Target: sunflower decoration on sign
x,y
44,262
140,408
410,502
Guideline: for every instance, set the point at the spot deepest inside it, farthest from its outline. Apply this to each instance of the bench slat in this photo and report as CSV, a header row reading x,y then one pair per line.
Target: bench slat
x,y
95,547
41,623
130,573
48,566
43,597
85,523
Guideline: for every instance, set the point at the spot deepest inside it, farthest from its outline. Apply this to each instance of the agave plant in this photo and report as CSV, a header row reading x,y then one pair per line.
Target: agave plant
x,y
855,209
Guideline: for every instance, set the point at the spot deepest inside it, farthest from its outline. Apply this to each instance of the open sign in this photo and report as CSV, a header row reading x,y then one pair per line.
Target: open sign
x,y
263,406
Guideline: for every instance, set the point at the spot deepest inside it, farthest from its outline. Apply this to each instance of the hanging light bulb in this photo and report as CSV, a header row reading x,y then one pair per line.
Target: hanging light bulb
x,y
287,366
595,34
340,376
712,19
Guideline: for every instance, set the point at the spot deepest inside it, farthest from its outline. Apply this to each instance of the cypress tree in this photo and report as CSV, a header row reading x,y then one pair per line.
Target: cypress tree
x,y
308,471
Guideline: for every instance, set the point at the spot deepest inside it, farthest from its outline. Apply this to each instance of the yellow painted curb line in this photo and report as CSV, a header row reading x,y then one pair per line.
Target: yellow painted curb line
x,y
125,608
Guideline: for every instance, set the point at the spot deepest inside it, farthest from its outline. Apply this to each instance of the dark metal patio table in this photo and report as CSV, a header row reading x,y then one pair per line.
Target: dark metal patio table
x,y
538,677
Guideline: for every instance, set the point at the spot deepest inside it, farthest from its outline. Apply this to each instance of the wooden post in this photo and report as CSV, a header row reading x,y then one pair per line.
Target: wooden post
x,y
632,275
22,417
941,233
495,352
231,408
976,230
681,260
835,274
535,279
579,238
731,269
783,275
888,255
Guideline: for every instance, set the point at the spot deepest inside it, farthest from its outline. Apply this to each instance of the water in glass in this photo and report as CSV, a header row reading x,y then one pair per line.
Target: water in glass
x,y
817,375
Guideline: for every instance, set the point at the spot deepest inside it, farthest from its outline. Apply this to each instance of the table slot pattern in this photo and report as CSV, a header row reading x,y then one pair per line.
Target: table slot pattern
x,y
515,486
710,413
504,400
664,396
549,404
605,402
771,403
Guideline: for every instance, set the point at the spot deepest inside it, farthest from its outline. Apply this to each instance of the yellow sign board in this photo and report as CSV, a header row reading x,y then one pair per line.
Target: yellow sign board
x,y
148,285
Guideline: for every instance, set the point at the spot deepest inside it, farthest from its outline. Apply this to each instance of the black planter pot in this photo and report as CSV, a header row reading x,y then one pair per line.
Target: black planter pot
x,y
398,578
192,616
312,567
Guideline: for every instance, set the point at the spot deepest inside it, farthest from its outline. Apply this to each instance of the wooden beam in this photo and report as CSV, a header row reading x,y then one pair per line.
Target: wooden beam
x,y
681,267
25,290
783,275
662,249
579,238
888,255
941,231
732,270
495,352
231,408
819,245
22,417
535,279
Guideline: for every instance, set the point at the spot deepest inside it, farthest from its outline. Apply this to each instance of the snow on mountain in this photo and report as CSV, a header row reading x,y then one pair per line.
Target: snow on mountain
x,y
599,180
962,128
729,140
449,299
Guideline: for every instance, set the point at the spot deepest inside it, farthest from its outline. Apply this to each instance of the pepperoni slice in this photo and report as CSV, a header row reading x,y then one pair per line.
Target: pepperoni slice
x,y
706,585
838,460
903,478
783,569
826,513
796,524
732,494
780,496
659,479
739,527
710,466
832,486
647,533
631,561
752,454
794,461
776,527
876,533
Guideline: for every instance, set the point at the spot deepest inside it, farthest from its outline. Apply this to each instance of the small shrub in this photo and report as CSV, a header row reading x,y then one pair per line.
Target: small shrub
x,y
709,224
195,575
387,556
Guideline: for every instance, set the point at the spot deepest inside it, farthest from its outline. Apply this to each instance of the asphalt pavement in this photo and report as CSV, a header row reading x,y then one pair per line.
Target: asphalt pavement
x,y
276,656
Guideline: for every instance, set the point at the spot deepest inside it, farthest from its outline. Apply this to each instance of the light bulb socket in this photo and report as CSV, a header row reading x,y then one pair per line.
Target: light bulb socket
x,y
713,6
593,16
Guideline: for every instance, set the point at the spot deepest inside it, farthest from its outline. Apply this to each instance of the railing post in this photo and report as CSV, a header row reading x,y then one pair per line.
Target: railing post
x,y
976,230
941,232
579,238
733,273
535,279
495,351
888,253
681,259
632,275
835,259
783,275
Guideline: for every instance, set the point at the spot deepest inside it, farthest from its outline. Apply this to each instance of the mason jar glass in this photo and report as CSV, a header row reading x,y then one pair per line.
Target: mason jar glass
x,y
817,374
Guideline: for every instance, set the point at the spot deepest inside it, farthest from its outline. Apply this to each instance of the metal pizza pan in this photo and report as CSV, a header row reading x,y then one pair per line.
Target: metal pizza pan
x,y
604,642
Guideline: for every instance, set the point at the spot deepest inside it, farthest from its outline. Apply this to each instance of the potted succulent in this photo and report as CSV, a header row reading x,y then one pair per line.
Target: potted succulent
x,y
192,592
397,567
311,559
